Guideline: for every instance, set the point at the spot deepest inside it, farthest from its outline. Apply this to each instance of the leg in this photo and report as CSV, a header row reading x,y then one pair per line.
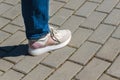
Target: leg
x,y
36,16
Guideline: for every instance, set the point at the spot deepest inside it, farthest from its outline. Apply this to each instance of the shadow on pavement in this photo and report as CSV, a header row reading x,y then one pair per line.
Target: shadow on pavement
x,y
13,51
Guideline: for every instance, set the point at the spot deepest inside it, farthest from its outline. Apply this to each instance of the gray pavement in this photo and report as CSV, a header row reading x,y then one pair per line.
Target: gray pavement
x,y
92,54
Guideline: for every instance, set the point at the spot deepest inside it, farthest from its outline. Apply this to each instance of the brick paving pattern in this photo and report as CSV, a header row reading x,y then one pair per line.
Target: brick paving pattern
x,y
92,54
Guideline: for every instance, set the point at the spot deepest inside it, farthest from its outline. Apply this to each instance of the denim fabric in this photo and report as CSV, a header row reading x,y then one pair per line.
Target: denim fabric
x,y
36,15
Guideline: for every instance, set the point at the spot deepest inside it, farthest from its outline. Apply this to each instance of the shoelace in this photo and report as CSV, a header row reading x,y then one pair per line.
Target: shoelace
x,y
53,32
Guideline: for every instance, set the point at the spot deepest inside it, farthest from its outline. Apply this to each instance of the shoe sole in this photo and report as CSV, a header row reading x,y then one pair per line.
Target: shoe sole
x,y
40,51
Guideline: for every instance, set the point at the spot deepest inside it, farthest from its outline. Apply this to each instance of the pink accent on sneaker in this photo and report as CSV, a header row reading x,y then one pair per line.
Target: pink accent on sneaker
x,y
36,45
54,40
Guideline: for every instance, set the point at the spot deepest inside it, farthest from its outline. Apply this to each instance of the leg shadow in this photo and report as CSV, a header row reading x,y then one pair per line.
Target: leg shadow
x,y
13,51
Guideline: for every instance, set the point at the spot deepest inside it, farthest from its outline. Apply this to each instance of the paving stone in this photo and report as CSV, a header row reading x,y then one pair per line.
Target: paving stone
x,y
18,21
14,40
93,70
74,4
73,23
39,73
102,33
106,77
118,5
13,2
11,28
58,57
23,28
86,9
80,36
62,0
99,1
5,65
25,42
74,79
1,73
28,63
115,68
66,72
61,16
94,20
117,33
3,22
3,36
12,13
4,7
85,53
54,7
64,14
110,50
1,0
11,75
107,5
17,54
113,18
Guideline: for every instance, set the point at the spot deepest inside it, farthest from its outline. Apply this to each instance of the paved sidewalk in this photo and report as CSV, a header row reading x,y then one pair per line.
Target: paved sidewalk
x,y
92,54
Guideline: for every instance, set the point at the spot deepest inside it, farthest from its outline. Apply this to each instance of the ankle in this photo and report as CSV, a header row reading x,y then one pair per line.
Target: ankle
x,y
34,44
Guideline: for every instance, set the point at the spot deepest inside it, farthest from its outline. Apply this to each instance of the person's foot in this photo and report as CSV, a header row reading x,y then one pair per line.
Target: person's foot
x,y
54,40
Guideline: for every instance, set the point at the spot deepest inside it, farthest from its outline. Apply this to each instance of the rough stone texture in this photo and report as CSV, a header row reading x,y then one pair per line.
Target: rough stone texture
x,y
13,2
73,5
18,21
14,40
58,57
118,6
110,50
29,63
102,33
115,68
54,7
66,71
4,7
99,1
3,22
11,75
80,36
93,70
94,20
62,0
73,23
1,73
107,5
61,16
1,0
117,33
92,54
86,9
39,73
113,18
85,52
11,28
3,36
5,65
106,77
12,13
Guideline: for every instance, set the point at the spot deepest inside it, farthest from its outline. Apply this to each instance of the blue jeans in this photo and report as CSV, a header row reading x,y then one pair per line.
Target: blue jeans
x,y
36,15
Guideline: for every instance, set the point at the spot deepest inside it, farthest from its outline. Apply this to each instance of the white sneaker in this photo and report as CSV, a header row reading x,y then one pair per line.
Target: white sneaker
x,y
54,40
